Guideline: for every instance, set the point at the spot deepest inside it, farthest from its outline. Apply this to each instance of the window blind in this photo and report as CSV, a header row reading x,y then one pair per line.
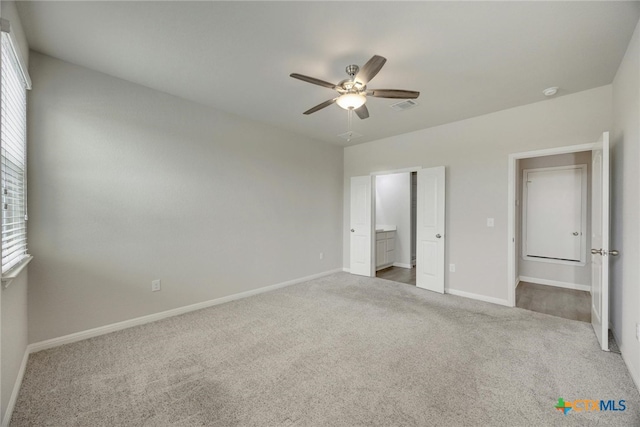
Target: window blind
x,y
13,162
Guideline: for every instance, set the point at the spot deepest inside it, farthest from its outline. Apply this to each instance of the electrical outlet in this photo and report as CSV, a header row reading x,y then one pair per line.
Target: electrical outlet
x,y
321,255
155,285
490,222
452,268
638,331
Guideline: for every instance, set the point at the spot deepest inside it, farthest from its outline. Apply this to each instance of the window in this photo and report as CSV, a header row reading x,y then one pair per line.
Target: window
x,y
13,159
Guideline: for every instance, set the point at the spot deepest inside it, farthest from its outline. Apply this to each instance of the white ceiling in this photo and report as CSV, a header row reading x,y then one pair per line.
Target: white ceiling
x,y
466,59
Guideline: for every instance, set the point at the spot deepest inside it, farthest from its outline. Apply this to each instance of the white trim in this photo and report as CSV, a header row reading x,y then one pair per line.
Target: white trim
x,y
511,207
346,269
16,389
14,272
391,172
556,261
478,297
402,265
553,151
102,330
511,231
556,283
517,282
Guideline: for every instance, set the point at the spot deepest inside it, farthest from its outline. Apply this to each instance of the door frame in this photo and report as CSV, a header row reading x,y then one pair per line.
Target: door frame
x,y
512,249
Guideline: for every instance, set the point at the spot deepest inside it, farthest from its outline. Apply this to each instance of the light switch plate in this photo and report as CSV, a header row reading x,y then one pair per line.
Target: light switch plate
x,y
490,222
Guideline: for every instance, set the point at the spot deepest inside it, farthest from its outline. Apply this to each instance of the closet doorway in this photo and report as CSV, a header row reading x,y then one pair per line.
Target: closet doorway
x,y
554,235
598,252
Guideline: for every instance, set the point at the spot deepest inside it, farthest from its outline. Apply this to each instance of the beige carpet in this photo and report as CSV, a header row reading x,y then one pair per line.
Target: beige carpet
x,y
337,351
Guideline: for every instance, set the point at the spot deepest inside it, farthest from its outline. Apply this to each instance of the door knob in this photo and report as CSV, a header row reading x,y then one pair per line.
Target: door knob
x,y
353,231
597,251
575,233
438,236
613,252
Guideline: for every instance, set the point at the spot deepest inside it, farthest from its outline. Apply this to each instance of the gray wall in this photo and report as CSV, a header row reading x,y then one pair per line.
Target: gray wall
x,y
625,269
128,185
579,275
13,301
475,152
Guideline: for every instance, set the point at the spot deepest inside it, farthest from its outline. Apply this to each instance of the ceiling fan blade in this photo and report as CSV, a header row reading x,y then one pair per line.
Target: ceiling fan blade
x,y
362,112
320,106
370,69
394,93
313,80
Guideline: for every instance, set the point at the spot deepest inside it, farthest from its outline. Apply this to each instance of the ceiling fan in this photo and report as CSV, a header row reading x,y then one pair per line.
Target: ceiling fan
x,y
353,91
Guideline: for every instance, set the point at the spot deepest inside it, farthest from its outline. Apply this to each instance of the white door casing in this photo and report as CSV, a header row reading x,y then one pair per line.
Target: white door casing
x,y
512,257
361,226
600,241
430,226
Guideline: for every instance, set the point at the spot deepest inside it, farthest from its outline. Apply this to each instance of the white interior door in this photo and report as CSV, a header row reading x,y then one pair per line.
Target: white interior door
x,y
553,213
600,241
361,226
430,230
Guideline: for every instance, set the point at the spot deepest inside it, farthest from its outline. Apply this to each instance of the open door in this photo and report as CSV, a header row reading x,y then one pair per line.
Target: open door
x,y
430,230
600,241
361,226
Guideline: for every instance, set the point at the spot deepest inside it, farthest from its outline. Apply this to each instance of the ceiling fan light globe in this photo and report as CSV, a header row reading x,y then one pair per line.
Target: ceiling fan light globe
x,y
351,101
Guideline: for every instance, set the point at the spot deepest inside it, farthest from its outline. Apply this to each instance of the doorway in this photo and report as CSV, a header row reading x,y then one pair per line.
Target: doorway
x,y
395,227
429,227
554,235
599,233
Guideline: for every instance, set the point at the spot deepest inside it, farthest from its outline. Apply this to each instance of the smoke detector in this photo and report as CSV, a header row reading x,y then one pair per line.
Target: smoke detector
x,y
550,91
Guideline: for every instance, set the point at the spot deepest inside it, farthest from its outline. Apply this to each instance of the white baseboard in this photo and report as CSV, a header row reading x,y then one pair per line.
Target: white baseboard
x,y
401,265
102,330
478,297
517,282
556,283
16,389
346,269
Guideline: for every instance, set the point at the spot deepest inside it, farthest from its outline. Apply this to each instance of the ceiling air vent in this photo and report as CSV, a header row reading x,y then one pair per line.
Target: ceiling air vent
x,y
403,105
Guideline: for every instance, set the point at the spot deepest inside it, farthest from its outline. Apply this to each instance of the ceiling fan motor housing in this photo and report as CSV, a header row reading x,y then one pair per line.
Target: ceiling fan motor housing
x,y
350,86
352,70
